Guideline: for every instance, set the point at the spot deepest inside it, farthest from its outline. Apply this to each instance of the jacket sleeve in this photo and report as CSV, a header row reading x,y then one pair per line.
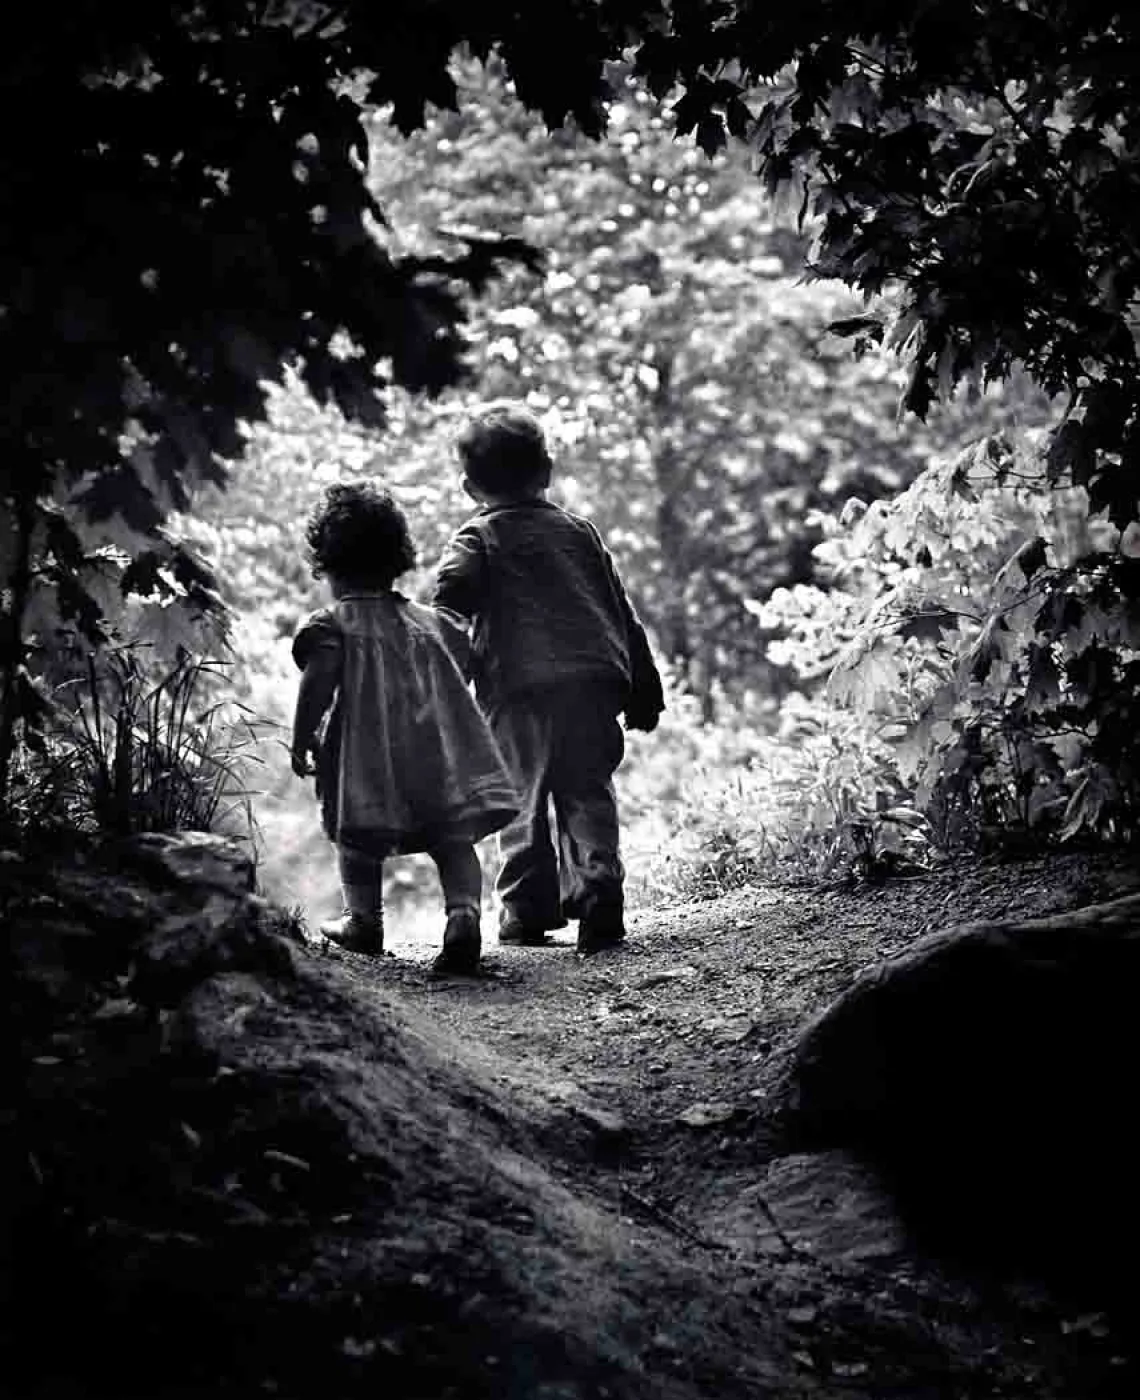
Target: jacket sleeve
x,y
646,693
461,578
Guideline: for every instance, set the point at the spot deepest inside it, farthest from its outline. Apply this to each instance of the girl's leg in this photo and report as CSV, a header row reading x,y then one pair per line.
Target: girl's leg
x,y
460,875
462,880
362,882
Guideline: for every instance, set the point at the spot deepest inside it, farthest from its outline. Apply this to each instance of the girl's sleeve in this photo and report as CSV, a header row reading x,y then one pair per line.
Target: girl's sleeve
x,y
319,633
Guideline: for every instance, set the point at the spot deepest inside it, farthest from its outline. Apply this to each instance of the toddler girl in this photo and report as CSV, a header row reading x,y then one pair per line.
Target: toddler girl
x,y
403,758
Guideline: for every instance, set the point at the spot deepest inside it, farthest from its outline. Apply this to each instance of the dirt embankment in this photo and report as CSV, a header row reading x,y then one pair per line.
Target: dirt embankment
x,y
248,1165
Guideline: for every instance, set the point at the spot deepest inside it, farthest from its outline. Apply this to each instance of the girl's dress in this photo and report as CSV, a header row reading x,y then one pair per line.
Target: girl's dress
x,y
406,760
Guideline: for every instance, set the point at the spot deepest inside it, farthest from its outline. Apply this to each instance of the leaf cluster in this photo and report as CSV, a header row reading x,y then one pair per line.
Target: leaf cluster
x,y
993,621
985,158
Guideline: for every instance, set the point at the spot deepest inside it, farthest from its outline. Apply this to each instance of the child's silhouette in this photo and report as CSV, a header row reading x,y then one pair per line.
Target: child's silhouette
x,y
403,758
558,654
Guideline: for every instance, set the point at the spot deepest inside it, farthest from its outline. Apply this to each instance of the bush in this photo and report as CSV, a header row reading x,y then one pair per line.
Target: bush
x,y
987,621
804,792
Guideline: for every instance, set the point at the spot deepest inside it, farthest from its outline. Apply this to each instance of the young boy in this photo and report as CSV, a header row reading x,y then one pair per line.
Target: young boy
x,y
558,654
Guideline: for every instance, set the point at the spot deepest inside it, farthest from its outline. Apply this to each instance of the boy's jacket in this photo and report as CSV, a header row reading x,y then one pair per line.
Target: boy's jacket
x,y
547,606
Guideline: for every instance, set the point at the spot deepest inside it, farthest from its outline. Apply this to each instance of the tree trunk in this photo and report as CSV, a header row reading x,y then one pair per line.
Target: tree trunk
x,y
671,528
673,542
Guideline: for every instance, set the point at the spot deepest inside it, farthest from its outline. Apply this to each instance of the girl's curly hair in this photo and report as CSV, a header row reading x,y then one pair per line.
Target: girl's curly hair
x,y
358,534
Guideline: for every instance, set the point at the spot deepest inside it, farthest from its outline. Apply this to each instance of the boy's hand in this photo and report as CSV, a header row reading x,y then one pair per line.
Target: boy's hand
x,y
643,719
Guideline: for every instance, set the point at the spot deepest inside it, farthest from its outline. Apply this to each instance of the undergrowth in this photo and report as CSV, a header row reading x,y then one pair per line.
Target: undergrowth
x,y
802,793
133,748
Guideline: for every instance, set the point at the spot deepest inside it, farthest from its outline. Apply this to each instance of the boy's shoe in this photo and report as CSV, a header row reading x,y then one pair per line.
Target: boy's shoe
x,y
462,945
523,935
356,933
601,927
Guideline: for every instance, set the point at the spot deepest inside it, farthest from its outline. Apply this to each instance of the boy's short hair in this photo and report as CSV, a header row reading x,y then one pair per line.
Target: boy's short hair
x,y
503,451
359,535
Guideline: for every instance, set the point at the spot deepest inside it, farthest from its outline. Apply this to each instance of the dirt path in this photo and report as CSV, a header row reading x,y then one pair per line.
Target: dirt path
x,y
676,1038
254,1165
700,1003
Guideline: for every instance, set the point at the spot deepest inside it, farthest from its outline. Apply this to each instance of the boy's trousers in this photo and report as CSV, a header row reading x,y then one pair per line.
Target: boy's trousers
x,y
562,746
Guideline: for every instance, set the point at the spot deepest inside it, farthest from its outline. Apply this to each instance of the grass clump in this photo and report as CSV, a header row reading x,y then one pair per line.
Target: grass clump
x,y
133,749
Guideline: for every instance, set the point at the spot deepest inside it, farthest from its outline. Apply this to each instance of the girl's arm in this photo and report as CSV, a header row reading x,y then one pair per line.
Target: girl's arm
x,y
314,696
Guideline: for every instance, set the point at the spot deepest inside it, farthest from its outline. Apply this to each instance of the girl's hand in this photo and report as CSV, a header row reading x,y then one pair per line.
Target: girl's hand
x,y
303,764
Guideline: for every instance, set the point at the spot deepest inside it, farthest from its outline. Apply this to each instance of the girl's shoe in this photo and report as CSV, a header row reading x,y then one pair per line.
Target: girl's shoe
x,y
462,945
356,933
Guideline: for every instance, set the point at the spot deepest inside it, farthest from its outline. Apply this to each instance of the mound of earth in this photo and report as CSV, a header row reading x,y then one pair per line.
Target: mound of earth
x,y
987,1071
248,1165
